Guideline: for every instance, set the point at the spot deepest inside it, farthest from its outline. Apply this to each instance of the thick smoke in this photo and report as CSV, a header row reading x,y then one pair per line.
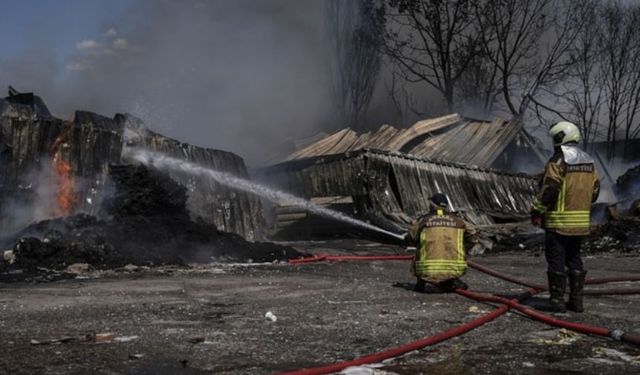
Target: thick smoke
x,y
41,185
238,75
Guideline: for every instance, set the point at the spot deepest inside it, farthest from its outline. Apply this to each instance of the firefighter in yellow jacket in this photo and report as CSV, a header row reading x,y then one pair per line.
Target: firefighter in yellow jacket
x,y
440,238
562,207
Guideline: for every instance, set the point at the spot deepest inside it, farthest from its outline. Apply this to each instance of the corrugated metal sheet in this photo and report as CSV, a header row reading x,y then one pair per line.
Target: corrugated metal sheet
x,y
450,138
474,142
92,142
391,188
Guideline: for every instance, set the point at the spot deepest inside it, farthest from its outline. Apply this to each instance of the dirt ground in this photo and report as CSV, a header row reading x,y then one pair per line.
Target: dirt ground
x,y
211,319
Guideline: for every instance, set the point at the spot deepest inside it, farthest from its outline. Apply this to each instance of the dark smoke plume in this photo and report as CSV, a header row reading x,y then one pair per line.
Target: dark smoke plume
x,y
236,75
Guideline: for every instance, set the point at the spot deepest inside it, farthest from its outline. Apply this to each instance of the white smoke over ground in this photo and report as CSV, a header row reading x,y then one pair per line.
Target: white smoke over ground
x,y
42,183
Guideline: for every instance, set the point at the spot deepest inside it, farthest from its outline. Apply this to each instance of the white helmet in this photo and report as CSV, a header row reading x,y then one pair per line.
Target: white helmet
x,y
564,132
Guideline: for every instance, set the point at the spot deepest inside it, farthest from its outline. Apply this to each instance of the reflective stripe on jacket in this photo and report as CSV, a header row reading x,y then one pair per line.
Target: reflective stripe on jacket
x,y
440,242
568,188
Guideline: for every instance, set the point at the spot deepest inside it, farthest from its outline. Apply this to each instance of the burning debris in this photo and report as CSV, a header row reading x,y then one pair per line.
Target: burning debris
x,y
69,195
106,211
65,195
147,223
51,167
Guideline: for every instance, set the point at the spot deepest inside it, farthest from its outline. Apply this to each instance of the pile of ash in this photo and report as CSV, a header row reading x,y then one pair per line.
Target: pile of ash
x,y
147,224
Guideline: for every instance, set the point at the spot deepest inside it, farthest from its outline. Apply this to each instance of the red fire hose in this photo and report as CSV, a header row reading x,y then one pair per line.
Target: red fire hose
x,y
322,258
514,280
481,268
456,331
578,327
415,345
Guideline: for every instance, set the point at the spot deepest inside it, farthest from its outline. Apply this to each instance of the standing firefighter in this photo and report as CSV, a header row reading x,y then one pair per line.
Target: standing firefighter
x,y
440,239
562,207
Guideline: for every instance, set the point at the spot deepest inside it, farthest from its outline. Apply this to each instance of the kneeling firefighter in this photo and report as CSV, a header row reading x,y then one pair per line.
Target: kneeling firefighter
x,y
562,207
440,238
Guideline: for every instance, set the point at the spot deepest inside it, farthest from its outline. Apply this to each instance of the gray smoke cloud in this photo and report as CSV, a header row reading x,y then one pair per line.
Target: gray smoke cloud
x,y
240,75
42,184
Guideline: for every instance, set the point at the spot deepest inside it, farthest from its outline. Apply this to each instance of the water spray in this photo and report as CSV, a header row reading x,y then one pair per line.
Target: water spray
x,y
164,162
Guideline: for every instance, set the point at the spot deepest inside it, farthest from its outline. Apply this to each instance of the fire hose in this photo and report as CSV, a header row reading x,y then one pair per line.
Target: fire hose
x,y
578,327
514,280
506,305
415,345
481,268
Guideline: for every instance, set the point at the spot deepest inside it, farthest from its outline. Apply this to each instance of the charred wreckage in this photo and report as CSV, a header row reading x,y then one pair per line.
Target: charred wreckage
x,y
69,194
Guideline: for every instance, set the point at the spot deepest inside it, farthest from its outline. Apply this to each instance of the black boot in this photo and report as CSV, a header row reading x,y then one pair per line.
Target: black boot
x,y
451,285
557,286
420,285
459,284
576,285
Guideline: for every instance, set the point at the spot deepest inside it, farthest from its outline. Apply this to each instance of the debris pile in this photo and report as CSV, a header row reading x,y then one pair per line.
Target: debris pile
x,y
51,167
628,185
621,236
147,224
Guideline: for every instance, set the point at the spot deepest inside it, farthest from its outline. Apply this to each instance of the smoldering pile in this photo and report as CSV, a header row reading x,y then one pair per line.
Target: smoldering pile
x,y
69,195
147,223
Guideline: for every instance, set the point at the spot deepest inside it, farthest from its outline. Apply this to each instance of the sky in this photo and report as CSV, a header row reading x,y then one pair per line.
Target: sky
x,y
239,75
54,26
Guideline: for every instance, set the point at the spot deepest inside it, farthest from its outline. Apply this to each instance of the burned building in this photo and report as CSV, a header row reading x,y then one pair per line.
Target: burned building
x,y
498,144
52,167
387,176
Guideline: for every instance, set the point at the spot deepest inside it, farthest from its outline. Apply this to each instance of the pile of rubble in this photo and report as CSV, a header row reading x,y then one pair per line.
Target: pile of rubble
x,y
52,167
628,184
147,223
620,236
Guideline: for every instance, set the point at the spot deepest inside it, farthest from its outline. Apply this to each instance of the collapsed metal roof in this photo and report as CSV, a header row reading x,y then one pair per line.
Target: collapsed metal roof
x,y
391,188
452,138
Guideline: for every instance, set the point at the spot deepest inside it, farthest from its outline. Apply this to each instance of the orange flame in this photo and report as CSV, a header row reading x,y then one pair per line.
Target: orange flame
x,y
65,196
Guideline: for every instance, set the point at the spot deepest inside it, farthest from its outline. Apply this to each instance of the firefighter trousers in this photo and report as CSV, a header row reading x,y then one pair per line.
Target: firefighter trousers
x,y
563,251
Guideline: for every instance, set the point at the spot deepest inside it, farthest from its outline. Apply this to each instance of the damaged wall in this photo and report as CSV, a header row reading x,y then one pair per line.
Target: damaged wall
x,y
53,167
392,188
229,210
58,167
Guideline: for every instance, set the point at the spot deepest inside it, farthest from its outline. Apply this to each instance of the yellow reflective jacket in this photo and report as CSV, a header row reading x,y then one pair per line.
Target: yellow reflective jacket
x,y
440,239
568,187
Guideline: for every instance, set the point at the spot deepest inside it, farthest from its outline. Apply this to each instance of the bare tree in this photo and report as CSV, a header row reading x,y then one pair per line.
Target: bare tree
x,y
354,35
577,60
599,84
580,96
619,43
478,87
529,43
584,89
431,41
631,123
